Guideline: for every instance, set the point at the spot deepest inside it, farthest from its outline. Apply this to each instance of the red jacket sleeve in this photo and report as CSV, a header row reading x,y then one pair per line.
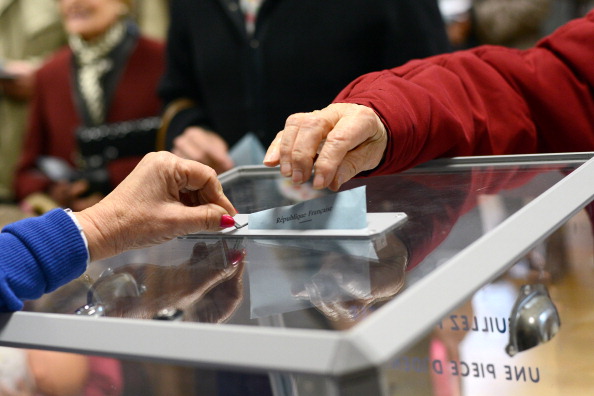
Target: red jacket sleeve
x,y
488,100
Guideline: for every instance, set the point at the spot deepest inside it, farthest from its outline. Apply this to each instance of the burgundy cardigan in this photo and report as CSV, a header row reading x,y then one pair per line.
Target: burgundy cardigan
x,y
54,118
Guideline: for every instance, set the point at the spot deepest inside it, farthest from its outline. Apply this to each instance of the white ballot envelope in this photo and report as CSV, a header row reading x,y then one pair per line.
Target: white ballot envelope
x,y
343,214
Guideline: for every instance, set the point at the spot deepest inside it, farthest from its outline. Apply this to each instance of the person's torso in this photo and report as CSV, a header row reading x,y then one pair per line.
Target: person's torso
x,y
134,98
302,53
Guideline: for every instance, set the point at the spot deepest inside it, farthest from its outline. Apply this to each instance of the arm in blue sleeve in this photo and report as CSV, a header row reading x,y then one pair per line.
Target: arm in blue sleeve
x,y
38,255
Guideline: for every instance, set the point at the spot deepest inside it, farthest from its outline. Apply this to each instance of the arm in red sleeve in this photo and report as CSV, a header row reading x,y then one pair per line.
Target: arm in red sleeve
x,y
489,100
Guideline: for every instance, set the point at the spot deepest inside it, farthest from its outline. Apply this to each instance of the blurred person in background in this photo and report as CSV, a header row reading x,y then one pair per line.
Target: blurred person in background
x,y
563,11
152,17
29,31
489,100
95,109
511,23
237,68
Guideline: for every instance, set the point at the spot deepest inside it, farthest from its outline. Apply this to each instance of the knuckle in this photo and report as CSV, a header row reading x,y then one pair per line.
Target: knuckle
x,y
161,156
300,156
156,158
314,121
213,220
334,146
285,147
210,172
294,119
324,165
349,168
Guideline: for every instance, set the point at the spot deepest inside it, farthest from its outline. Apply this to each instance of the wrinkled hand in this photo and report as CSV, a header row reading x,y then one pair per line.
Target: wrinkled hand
x,y
337,142
163,197
203,146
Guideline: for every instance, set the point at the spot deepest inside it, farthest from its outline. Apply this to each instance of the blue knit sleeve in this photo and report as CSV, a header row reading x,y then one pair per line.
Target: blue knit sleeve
x,y
38,255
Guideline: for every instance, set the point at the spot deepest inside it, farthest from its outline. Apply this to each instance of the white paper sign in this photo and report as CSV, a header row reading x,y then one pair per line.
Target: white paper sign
x,y
346,210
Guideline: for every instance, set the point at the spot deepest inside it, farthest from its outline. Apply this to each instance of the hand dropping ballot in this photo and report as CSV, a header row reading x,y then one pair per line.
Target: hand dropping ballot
x,y
343,214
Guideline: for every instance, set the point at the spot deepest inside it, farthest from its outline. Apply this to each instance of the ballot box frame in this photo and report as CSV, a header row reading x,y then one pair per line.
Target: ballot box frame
x,y
336,354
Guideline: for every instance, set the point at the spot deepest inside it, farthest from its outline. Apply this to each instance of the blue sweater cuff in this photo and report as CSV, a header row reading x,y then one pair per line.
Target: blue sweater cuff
x,y
39,255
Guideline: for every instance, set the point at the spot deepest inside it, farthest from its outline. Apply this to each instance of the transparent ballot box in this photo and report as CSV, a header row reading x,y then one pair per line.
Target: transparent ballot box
x,y
484,286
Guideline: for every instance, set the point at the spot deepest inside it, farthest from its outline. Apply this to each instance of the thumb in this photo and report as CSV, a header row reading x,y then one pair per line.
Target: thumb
x,y
206,217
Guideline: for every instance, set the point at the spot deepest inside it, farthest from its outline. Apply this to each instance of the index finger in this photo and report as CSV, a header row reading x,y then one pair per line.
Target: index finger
x,y
312,130
201,177
286,141
272,157
350,131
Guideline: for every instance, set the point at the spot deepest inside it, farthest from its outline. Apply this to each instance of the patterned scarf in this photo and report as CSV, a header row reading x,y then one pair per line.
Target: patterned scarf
x,y
250,11
93,64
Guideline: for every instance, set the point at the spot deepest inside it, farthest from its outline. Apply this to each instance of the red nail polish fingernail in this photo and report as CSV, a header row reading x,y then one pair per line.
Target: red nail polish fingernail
x,y
227,221
235,256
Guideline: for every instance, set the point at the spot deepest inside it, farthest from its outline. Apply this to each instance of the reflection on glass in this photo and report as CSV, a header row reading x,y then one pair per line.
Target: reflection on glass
x,y
442,220
341,278
465,353
205,288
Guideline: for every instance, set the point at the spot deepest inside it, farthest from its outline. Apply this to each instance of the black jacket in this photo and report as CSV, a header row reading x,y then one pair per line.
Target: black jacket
x,y
302,54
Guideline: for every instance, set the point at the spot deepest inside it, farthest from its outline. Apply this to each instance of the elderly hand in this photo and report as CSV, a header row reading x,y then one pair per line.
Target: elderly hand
x,y
163,197
203,146
338,142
